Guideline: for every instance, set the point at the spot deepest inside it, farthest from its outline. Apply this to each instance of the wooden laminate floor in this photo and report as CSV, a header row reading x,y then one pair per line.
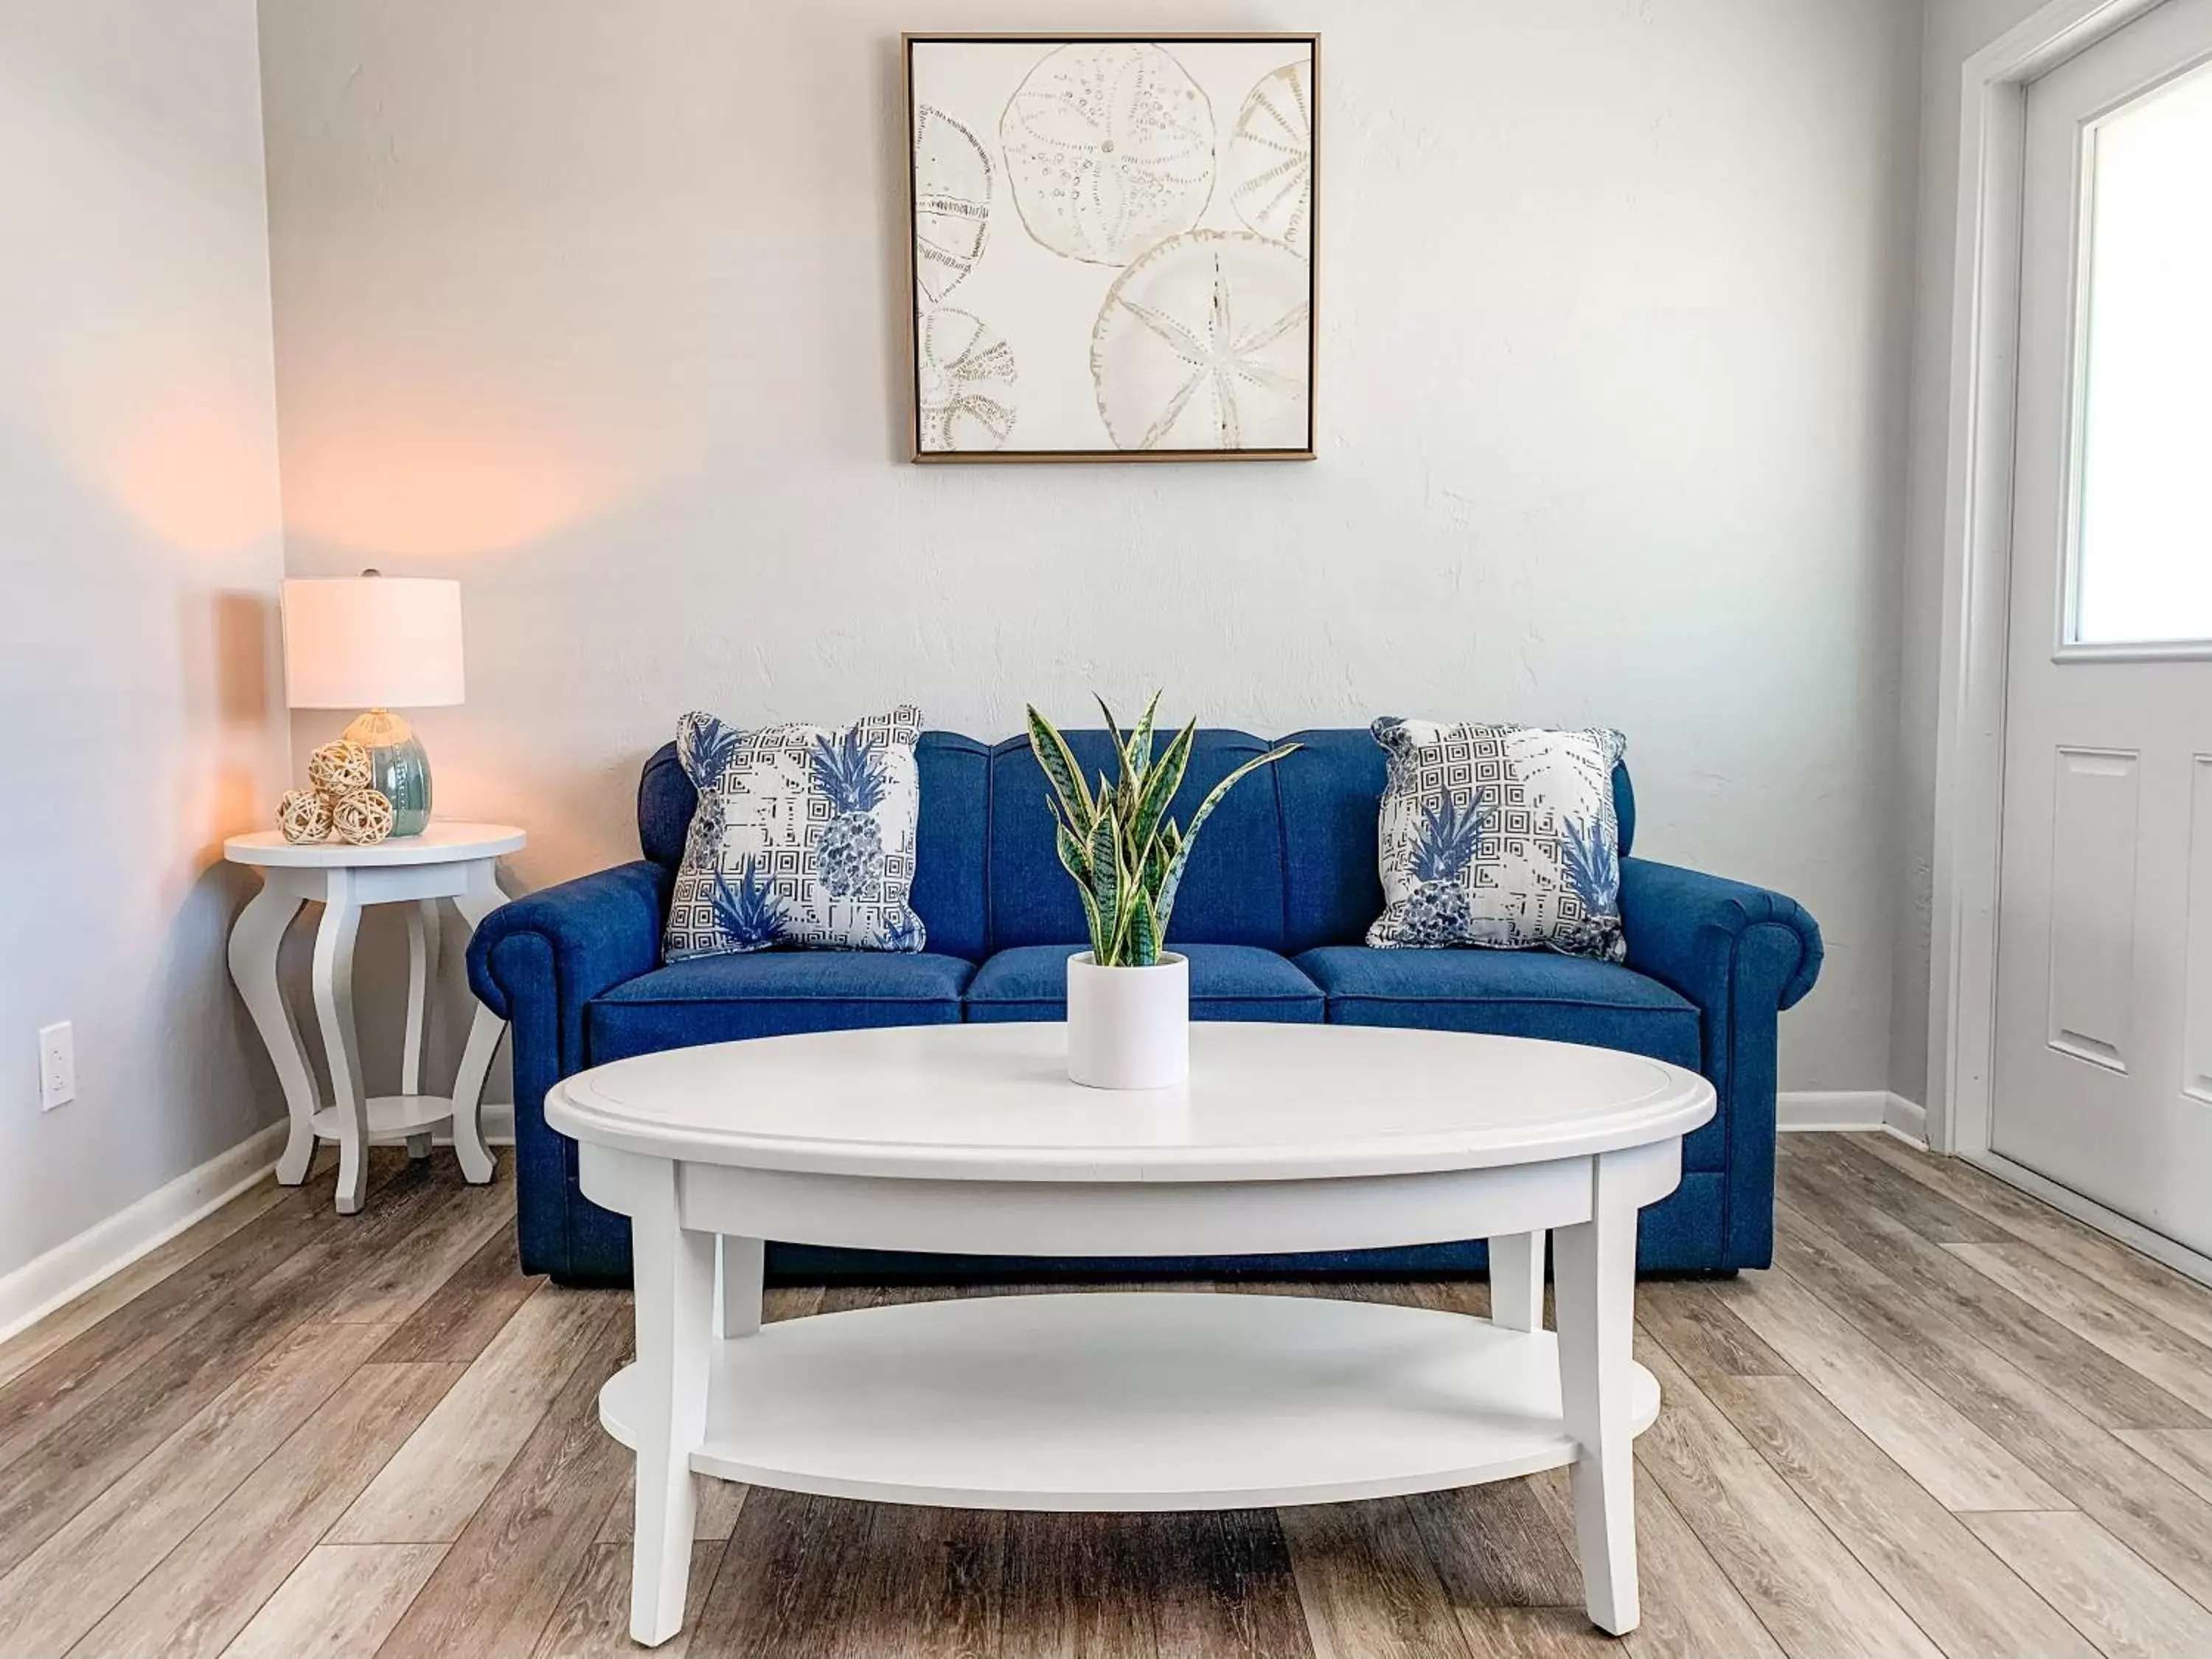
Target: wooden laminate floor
x,y
1948,1422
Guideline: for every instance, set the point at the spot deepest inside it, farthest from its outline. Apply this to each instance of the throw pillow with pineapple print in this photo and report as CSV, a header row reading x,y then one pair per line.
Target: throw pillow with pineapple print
x,y
1499,835
802,836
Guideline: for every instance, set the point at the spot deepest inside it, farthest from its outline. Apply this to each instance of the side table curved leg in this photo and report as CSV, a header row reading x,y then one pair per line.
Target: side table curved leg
x,y
333,980
255,939
484,1033
485,1030
421,975
1594,1287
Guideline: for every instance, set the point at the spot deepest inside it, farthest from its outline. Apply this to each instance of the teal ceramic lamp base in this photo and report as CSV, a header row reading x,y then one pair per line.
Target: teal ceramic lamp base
x,y
400,767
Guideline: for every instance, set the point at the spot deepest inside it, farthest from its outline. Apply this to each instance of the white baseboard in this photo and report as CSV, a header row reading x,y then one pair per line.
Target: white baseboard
x,y
1857,1109
70,1269
1907,1120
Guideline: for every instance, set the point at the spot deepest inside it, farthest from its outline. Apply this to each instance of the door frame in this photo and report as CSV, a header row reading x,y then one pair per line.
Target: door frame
x,y
1970,733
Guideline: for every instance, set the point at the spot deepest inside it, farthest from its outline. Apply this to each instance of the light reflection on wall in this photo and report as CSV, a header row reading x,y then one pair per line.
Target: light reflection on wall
x,y
198,480
438,483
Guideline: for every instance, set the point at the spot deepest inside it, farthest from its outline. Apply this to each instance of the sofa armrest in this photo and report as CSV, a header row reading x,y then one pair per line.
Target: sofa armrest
x,y
1690,930
1741,954
556,948
535,963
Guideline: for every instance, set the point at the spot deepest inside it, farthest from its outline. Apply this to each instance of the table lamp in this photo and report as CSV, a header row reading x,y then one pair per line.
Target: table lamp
x,y
377,643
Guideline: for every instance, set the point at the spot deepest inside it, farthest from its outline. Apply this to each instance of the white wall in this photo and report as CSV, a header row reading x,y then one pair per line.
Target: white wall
x,y
139,539
599,308
1955,30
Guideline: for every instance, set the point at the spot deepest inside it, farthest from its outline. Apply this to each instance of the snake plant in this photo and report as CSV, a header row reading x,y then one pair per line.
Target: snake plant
x,y
1125,854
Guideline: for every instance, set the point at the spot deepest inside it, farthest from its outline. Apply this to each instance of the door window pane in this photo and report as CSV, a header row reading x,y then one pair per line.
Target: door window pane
x,y
2143,525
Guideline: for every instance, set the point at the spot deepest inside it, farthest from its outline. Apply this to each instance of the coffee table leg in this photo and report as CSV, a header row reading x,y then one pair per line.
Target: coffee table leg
x,y
1517,1282
1593,1284
675,1273
737,1284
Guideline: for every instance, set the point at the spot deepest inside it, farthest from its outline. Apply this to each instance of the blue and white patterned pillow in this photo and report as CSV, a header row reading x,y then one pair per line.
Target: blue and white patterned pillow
x,y
802,836
1501,835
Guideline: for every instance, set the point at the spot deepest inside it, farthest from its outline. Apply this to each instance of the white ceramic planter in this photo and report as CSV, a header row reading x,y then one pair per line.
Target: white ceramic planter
x,y
1129,1028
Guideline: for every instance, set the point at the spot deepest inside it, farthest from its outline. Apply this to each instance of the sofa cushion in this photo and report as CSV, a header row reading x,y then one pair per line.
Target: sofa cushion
x,y
1531,994
1329,789
770,993
1537,993
951,841
1231,892
1227,981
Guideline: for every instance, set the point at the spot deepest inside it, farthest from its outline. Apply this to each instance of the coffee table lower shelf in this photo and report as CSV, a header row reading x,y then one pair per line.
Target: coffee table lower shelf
x,y
1143,1401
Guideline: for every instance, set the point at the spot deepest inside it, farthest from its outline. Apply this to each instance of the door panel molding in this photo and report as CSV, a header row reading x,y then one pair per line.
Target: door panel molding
x,y
2096,799
2197,976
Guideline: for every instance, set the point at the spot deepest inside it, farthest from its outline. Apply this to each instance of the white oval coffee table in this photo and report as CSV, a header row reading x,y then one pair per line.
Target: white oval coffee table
x,y
1287,1138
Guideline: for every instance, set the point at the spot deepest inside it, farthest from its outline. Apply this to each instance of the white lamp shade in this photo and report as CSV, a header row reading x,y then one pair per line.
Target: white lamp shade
x,y
373,642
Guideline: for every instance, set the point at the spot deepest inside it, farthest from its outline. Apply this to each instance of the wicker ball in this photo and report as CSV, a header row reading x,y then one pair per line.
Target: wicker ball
x,y
339,768
304,815
364,817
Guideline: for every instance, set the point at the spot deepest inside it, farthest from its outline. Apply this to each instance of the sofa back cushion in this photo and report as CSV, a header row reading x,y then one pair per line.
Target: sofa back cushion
x,y
1331,790
949,838
1232,892
665,801
950,846
1286,862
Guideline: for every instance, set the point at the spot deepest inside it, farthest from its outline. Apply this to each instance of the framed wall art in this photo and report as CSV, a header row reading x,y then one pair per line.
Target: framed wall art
x,y
1113,246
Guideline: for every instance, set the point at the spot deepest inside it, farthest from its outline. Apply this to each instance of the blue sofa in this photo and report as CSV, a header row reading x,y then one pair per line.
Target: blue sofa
x,y
1281,888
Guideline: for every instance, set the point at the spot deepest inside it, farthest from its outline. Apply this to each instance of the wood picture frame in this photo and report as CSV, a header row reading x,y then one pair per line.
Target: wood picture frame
x,y
1141,265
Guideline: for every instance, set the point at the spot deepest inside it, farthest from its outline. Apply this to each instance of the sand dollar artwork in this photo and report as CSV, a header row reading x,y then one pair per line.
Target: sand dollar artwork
x,y
965,382
1268,165
952,202
1110,147
1202,343
1131,220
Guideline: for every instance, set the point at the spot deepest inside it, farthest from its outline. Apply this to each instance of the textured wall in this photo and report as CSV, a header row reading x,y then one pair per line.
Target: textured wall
x,y
598,307
139,540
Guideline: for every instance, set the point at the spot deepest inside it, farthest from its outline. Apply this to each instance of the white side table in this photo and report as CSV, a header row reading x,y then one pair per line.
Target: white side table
x,y
447,860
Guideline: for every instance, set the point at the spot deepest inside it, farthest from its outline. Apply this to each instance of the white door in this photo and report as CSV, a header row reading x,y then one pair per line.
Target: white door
x,y
2103,1081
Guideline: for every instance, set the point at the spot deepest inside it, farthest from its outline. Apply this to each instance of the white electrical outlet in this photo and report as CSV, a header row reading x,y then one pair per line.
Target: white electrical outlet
x,y
57,1065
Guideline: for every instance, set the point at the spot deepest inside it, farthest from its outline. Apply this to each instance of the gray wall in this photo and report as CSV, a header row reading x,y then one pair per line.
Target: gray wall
x,y
139,537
